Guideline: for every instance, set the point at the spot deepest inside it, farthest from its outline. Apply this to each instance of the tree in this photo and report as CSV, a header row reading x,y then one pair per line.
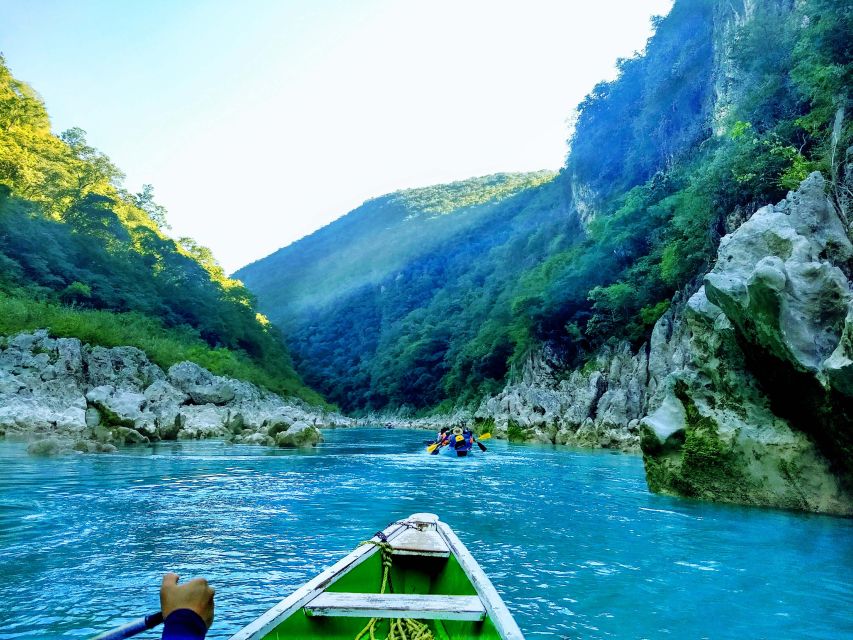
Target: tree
x,y
93,167
157,212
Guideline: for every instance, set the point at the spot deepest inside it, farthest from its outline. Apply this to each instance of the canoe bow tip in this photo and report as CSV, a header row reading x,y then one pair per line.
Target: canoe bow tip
x,y
422,518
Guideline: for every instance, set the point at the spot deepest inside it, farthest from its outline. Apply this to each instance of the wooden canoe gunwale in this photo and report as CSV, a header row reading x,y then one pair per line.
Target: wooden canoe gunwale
x,y
299,598
492,601
494,606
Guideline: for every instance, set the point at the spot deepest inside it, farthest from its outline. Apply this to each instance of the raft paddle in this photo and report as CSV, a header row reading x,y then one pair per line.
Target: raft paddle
x,y
433,448
485,436
132,628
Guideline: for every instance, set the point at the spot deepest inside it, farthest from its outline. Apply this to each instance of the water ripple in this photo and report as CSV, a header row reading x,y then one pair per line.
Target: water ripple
x,y
572,540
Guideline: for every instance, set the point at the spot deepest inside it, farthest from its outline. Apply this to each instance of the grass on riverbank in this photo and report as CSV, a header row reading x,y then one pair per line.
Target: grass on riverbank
x,y
164,346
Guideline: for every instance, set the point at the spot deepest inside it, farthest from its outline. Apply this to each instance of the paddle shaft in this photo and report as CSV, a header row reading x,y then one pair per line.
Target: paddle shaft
x,y
132,628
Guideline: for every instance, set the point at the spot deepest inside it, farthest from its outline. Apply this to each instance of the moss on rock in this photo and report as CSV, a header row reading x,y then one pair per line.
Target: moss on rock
x,y
484,425
695,462
110,418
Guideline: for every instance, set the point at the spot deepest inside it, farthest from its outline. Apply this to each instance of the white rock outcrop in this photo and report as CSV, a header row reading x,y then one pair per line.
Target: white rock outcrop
x,y
744,392
74,396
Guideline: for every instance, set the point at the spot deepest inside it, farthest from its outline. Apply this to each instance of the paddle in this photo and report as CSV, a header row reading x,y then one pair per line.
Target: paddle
x,y
485,436
132,628
433,448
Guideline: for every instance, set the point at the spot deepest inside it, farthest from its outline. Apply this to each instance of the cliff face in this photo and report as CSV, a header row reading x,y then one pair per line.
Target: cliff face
x,y
743,393
761,414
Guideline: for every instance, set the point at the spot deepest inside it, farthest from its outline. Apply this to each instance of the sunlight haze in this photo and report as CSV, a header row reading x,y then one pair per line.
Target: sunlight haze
x,y
259,122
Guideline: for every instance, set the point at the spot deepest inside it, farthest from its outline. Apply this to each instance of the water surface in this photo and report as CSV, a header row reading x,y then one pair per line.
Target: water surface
x,y
572,540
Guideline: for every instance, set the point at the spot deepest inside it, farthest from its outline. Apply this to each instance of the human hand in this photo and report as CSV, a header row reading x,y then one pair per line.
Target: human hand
x,y
196,595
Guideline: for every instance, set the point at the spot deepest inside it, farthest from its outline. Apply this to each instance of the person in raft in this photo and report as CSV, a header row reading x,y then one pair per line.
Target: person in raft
x,y
469,437
442,436
461,439
187,608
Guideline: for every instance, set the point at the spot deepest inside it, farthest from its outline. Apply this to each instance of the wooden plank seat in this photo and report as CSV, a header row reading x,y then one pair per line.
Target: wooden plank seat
x,y
396,605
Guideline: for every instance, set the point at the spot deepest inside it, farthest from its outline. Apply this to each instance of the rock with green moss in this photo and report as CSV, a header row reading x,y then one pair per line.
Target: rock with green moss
x,y
86,446
278,425
782,280
254,438
516,432
48,447
127,435
757,412
300,434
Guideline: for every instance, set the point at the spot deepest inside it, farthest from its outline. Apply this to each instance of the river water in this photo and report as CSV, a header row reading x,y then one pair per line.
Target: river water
x,y
571,539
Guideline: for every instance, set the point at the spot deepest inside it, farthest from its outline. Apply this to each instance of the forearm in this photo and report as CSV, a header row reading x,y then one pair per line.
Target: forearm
x,y
184,624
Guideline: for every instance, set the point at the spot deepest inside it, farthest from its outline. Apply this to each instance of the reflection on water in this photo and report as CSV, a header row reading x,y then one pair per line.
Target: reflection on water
x,y
572,540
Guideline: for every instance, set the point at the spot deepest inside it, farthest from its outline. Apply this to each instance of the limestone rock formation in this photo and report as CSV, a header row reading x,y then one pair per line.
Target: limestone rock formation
x,y
761,411
299,434
592,407
201,385
743,393
67,396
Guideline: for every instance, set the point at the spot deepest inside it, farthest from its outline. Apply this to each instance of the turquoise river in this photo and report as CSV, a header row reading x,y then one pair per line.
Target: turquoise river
x,y
572,540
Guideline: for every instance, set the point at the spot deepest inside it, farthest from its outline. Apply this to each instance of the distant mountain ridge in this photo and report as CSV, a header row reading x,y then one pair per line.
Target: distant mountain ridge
x,y
373,273
372,240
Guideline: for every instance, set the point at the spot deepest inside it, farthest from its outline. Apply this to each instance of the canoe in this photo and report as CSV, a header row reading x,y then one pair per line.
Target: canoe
x,y
432,580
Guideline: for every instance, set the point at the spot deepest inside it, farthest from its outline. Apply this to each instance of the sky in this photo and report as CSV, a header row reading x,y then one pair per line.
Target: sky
x,y
260,121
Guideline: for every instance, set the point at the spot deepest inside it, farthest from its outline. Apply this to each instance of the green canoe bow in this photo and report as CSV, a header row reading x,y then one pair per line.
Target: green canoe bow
x,y
433,579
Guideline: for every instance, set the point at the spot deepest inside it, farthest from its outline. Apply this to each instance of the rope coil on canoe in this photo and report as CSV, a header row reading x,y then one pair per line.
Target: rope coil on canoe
x,y
401,628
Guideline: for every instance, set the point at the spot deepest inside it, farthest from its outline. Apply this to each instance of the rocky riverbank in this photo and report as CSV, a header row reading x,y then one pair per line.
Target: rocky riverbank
x,y
744,392
64,395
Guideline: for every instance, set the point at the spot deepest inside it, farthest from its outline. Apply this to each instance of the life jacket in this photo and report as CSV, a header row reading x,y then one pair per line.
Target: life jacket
x,y
461,443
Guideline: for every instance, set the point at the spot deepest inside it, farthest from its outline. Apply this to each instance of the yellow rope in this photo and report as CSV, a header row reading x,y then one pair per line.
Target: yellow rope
x,y
400,628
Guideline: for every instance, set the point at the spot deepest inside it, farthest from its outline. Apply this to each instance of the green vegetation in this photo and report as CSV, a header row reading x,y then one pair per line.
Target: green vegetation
x,y
163,346
703,466
372,327
395,306
454,196
483,425
515,432
84,257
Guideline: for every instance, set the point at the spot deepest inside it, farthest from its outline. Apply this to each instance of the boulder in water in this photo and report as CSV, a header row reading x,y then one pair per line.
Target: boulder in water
x,y
300,434
48,447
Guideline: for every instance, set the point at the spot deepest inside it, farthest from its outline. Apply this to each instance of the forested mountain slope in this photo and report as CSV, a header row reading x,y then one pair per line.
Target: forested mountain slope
x,y
375,239
378,294
730,105
87,259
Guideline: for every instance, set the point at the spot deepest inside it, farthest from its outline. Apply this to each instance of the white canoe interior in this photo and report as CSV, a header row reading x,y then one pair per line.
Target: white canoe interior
x,y
420,534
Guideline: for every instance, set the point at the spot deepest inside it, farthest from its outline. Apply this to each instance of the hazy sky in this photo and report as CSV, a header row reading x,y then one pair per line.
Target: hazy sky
x,y
259,121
